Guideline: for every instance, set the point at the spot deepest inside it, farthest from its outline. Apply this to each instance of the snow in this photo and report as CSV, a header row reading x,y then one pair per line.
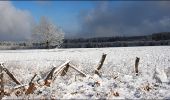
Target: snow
x,y
118,79
160,76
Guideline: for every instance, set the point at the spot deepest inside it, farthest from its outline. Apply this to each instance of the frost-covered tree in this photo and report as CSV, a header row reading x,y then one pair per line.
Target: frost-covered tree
x,y
48,33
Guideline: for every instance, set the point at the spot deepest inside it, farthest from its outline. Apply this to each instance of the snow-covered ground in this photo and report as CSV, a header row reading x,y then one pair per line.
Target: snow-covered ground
x,y
118,79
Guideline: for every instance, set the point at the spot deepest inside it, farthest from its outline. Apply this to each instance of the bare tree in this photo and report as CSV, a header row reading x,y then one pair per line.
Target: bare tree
x,y
48,33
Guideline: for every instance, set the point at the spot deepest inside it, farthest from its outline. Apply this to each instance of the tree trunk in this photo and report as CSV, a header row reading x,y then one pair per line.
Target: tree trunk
x,y
47,44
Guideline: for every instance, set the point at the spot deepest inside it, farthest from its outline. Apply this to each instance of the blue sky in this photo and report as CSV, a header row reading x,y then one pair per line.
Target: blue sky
x,y
62,13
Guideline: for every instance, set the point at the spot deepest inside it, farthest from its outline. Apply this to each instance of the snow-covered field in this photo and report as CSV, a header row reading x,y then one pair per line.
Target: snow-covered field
x,y
118,79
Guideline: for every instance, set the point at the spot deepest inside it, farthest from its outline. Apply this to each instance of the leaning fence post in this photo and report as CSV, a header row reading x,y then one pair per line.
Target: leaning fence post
x,y
54,73
82,73
99,66
136,65
31,87
65,70
11,76
101,62
1,82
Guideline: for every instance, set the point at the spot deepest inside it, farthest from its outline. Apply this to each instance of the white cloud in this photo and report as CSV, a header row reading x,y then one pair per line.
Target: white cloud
x,y
15,24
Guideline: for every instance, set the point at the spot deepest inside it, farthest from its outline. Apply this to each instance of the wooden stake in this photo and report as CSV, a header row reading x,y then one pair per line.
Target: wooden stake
x,y
31,87
61,67
49,76
11,76
82,73
55,71
65,70
1,83
136,65
97,72
32,78
99,66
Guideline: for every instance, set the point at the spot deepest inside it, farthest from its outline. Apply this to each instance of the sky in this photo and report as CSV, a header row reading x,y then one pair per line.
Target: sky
x,y
85,18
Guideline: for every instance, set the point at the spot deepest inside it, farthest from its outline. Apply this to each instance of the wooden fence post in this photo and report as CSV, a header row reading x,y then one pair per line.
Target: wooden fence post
x,y
101,62
54,73
82,73
11,76
32,86
136,65
99,66
65,70
1,82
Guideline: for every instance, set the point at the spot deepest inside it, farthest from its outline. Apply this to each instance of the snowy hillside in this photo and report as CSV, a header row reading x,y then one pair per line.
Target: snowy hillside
x,y
118,79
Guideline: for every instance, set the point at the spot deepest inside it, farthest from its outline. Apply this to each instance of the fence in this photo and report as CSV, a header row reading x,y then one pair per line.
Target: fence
x,y
46,81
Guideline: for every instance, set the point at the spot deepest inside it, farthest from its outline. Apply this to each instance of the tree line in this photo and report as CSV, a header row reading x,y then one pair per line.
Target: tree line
x,y
155,39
